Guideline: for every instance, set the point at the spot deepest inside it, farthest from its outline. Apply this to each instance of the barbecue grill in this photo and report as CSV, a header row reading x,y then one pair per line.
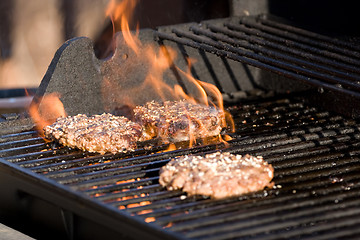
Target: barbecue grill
x,y
294,97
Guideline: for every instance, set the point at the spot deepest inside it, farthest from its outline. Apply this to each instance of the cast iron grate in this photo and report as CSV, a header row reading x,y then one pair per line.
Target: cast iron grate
x,y
315,155
317,60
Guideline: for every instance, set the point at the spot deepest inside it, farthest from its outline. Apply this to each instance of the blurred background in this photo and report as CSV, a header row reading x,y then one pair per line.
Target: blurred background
x,y
32,31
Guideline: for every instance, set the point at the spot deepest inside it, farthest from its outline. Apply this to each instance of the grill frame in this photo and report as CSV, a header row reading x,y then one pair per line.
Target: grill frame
x,y
80,213
307,150
38,188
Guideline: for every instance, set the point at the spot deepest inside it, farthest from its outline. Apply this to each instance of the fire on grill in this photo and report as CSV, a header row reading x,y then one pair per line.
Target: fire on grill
x,y
189,111
196,116
293,98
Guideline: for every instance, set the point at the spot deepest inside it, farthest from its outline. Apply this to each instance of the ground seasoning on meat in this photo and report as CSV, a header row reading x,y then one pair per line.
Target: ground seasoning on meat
x,y
98,133
175,121
218,175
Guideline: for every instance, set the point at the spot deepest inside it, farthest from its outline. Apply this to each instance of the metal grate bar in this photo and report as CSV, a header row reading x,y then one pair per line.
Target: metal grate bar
x,y
19,143
286,193
299,200
288,53
345,63
315,155
18,136
290,216
322,72
257,63
290,28
275,59
299,38
170,210
279,146
339,220
311,60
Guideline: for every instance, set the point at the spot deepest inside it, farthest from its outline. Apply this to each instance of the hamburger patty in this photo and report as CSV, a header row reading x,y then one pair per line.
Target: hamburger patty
x,y
218,175
99,133
175,121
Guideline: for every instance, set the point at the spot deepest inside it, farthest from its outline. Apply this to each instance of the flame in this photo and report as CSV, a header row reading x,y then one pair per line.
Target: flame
x,y
46,111
125,181
171,147
146,211
157,60
170,224
122,12
211,91
143,203
150,219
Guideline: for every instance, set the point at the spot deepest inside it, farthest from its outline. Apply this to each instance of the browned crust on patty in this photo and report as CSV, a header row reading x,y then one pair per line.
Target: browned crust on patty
x,y
175,121
218,175
98,133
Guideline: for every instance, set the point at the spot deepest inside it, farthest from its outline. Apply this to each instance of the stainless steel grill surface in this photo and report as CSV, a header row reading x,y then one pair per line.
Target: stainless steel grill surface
x,y
315,155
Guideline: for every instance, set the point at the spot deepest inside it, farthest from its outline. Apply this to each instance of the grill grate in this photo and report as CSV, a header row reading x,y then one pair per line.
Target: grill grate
x,y
315,155
295,53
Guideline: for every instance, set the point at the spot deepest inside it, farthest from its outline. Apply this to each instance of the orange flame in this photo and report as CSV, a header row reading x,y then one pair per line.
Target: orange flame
x,y
122,12
171,147
44,113
158,61
170,224
150,219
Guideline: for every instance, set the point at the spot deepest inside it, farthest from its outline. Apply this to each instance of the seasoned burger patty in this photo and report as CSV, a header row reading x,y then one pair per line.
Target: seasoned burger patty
x,y
175,121
99,133
218,175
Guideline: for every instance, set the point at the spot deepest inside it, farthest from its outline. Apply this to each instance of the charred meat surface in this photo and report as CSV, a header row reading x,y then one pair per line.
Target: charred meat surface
x,y
98,133
218,175
175,121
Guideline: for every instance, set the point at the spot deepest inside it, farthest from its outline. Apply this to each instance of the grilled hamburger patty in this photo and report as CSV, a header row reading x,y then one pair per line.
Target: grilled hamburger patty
x,y
175,121
218,175
99,133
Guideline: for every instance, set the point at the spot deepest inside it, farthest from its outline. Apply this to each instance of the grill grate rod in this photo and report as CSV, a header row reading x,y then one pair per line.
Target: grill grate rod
x,y
272,60
266,215
341,44
19,143
311,59
315,155
322,166
274,55
338,219
326,190
305,40
324,162
328,166
17,136
281,145
345,62
256,63
286,138
305,186
125,191
86,171
174,212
